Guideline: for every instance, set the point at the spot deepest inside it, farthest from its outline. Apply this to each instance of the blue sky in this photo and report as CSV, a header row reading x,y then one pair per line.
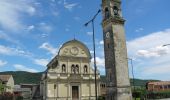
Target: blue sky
x,y
32,31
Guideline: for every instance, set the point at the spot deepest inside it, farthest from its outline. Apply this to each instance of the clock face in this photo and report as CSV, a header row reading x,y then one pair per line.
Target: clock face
x,y
107,35
74,50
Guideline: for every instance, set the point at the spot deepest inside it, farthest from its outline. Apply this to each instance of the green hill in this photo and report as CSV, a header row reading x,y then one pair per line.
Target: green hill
x,y
137,82
24,77
34,78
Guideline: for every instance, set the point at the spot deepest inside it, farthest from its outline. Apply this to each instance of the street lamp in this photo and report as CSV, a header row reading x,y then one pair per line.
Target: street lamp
x,y
131,61
95,67
165,45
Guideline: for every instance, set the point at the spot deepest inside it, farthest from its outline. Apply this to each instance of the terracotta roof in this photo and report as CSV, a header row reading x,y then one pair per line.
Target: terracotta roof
x,y
160,83
5,78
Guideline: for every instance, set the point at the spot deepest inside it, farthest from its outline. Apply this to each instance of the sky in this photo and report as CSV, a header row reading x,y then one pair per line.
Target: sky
x,y
32,31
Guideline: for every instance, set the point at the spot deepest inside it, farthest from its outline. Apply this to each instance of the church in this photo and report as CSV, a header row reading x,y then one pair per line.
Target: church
x,y
69,75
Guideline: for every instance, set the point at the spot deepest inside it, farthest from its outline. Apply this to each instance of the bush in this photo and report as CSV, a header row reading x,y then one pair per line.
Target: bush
x,y
19,98
158,95
101,98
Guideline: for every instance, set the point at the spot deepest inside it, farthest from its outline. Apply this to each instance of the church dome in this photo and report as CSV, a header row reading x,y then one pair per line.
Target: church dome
x,y
74,48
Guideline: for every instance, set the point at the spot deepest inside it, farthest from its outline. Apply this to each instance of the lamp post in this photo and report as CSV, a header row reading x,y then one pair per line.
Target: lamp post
x,y
165,45
94,48
131,61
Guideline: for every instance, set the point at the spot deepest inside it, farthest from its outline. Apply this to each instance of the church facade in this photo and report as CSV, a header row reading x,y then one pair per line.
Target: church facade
x,y
69,75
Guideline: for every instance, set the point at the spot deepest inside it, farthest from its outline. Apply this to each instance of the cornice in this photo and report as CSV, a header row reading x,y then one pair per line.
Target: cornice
x,y
115,20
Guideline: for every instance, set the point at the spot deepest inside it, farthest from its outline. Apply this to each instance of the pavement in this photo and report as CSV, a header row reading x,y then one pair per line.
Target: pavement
x,y
160,99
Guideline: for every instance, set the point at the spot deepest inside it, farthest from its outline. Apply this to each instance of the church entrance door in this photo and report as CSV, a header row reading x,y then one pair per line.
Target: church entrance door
x,y
75,93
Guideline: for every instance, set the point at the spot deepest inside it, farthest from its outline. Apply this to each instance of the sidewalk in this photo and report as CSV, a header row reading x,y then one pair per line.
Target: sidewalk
x,y
160,99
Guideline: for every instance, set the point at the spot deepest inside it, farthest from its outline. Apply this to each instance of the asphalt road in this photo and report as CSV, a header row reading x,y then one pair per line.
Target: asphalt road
x,y
160,99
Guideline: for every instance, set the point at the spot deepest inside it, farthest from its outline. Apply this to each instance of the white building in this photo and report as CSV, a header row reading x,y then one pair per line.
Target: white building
x,y
8,81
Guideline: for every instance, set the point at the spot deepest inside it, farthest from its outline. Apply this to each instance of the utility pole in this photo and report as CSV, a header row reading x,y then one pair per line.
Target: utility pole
x,y
94,48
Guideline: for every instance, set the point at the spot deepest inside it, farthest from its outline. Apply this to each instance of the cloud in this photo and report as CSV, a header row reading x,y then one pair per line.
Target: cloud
x,y
53,1
4,50
149,42
31,27
44,35
157,70
153,52
44,27
49,48
31,10
55,13
139,30
42,62
148,53
69,6
59,2
12,13
77,18
2,63
139,11
67,29
151,57
6,37
89,33
91,51
101,42
24,68
100,62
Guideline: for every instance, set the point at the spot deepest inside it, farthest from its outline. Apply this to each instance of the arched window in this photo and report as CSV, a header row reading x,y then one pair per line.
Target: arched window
x,y
77,68
100,85
107,13
55,86
63,68
85,69
115,10
73,69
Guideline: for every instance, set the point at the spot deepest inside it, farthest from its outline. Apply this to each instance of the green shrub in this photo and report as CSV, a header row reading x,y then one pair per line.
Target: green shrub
x,y
19,98
101,98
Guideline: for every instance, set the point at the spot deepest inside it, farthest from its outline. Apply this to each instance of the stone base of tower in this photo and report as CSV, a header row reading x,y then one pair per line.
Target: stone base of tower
x,y
124,93
120,93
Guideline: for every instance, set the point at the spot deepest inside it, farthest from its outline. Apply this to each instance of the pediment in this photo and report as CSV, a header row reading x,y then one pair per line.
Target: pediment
x,y
74,48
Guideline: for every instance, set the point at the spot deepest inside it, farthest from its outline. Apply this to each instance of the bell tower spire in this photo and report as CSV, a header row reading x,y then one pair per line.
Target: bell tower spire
x,y
111,8
116,64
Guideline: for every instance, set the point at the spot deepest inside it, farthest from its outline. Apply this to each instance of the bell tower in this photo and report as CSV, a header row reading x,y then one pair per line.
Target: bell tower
x,y
116,64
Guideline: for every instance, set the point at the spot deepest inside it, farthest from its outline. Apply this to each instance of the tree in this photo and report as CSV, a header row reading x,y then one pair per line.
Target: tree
x,y
3,87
